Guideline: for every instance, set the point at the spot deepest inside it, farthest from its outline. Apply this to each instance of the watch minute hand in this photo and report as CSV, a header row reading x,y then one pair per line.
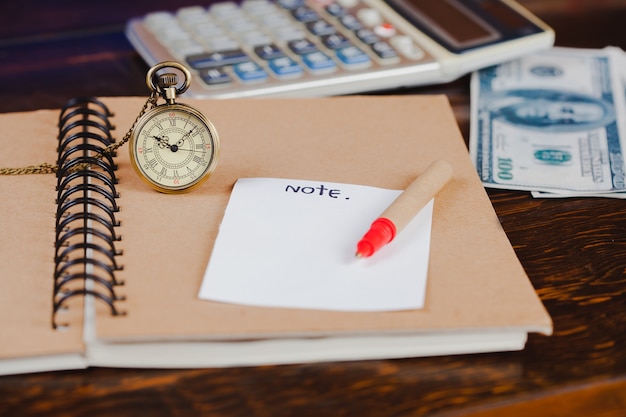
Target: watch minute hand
x,y
182,140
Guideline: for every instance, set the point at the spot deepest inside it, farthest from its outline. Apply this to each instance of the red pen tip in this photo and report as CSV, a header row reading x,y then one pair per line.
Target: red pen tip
x,y
380,233
364,249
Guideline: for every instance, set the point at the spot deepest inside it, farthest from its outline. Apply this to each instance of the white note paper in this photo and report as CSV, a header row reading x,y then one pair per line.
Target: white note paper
x,y
292,243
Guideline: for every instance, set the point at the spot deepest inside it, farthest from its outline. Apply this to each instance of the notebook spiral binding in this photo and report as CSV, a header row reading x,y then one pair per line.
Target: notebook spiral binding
x,y
86,240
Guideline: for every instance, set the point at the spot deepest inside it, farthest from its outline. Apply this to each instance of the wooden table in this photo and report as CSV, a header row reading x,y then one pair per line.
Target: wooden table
x,y
574,251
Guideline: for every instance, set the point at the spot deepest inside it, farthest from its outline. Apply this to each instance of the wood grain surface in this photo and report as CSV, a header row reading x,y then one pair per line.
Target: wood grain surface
x,y
574,251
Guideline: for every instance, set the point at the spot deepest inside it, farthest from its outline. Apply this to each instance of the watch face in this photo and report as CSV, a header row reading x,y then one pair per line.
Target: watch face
x,y
174,147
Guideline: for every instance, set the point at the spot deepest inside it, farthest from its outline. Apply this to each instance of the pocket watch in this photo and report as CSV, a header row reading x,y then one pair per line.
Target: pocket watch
x,y
173,146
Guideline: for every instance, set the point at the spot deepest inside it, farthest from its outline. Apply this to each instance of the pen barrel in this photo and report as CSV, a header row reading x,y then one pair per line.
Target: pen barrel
x,y
418,194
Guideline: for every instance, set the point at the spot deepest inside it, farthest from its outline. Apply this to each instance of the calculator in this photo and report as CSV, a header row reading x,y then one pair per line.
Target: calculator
x,y
306,48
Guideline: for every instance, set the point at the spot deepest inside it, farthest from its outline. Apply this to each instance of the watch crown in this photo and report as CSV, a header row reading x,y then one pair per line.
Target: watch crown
x,y
167,80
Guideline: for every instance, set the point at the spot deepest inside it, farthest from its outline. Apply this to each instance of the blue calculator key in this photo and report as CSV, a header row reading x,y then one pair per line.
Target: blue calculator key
x,y
285,67
319,61
367,36
335,10
214,76
304,14
302,46
268,51
290,4
384,50
350,22
335,41
217,59
249,71
353,56
320,28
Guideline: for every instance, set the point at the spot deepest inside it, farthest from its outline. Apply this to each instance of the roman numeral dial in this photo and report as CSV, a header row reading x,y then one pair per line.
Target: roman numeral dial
x,y
174,148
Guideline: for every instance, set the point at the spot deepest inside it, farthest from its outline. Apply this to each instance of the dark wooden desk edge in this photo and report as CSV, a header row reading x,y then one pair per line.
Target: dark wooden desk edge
x,y
580,370
602,399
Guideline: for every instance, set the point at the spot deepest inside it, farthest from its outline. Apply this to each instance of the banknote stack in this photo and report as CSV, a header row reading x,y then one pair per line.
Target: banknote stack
x,y
553,123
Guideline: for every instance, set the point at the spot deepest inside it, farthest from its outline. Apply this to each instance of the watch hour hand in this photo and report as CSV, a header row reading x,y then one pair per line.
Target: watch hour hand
x,y
163,142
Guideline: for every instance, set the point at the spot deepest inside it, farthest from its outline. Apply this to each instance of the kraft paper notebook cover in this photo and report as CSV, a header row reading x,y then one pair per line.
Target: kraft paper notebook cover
x,y
478,297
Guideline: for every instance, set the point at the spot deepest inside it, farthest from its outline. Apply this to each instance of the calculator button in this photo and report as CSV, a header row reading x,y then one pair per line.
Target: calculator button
x,y
367,36
172,33
385,30
269,51
290,4
352,57
335,41
288,34
214,76
384,50
370,17
217,59
322,2
304,14
319,62
187,49
284,67
350,22
320,28
241,25
348,4
302,46
273,21
257,6
208,30
221,43
249,71
157,20
224,9
407,47
191,15
336,10
255,38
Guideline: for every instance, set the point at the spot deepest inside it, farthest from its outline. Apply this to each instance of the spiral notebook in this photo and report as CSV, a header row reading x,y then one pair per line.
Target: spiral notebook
x,y
97,269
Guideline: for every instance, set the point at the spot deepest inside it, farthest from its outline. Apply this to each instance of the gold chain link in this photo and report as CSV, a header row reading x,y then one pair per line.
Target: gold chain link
x,y
48,168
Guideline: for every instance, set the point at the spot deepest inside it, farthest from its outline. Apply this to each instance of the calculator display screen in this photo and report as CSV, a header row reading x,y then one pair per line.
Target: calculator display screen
x,y
460,25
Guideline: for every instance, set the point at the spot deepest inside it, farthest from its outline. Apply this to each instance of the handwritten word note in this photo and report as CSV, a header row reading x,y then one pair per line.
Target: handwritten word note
x,y
291,243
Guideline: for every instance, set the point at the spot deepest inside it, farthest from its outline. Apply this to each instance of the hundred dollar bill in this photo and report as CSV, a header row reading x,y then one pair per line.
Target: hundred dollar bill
x,y
544,194
551,122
